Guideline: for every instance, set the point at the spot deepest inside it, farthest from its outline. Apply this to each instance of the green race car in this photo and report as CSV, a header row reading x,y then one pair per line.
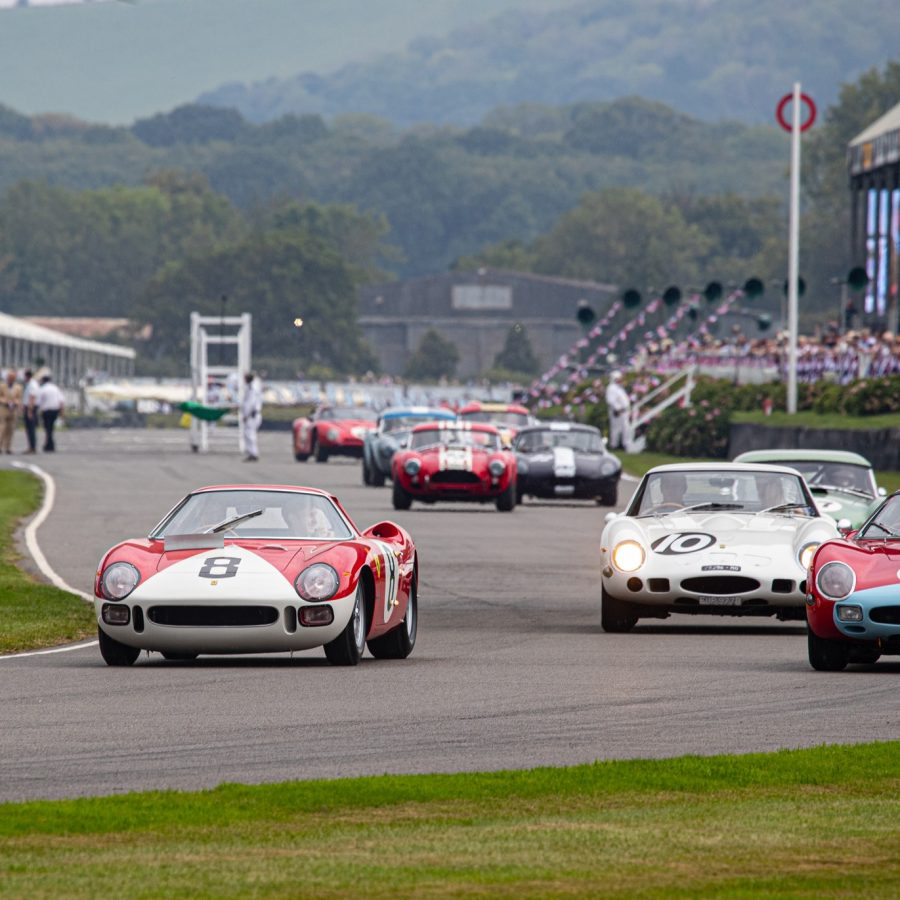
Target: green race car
x,y
842,483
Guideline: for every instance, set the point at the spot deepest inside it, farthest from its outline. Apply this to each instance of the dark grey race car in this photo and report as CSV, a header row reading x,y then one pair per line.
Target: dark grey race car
x,y
563,460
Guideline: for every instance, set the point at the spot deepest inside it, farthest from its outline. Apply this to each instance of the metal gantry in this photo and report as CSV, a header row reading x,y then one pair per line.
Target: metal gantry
x,y
230,330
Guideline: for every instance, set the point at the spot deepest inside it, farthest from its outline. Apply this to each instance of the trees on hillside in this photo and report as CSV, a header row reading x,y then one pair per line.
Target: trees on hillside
x,y
435,358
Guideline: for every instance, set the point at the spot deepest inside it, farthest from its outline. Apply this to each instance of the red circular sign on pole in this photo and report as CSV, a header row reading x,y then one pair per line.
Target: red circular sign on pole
x,y
804,98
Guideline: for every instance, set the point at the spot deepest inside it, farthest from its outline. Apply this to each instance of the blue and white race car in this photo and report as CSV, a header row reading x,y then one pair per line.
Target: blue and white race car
x,y
392,432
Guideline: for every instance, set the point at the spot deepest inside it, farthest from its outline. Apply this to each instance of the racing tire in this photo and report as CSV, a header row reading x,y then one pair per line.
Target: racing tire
x,y
376,478
616,616
401,498
347,648
367,474
301,457
825,654
399,642
180,657
609,497
114,653
506,502
321,453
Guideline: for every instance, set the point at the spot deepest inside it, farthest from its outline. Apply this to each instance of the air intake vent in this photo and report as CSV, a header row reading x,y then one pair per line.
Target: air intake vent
x,y
213,616
720,585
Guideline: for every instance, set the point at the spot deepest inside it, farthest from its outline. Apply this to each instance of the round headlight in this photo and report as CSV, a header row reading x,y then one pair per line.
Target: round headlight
x,y
332,434
607,467
628,556
497,467
119,580
412,466
836,580
317,582
807,551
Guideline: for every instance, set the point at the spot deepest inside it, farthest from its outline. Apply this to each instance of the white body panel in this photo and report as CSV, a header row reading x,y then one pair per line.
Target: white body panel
x,y
255,582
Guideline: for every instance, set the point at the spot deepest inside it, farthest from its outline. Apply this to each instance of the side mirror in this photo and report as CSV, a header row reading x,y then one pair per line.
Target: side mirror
x,y
882,492
610,516
844,527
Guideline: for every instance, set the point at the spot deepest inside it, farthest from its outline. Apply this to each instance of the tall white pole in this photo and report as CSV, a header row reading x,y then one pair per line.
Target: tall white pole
x,y
794,252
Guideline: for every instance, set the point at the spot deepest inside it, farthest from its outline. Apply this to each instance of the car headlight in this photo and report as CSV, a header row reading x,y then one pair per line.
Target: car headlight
x,y
628,556
497,467
412,466
317,582
835,580
607,467
119,580
332,434
807,551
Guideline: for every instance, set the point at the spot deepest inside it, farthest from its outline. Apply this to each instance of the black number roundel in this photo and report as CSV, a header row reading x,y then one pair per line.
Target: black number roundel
x,y
684,542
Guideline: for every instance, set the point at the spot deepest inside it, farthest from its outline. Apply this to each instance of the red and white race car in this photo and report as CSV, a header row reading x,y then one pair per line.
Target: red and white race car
x,y
259,569
454,461
333,431
507,417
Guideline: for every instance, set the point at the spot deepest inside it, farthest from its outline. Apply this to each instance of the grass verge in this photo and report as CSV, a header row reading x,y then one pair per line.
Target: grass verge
x,y
810,419
799,823
32,614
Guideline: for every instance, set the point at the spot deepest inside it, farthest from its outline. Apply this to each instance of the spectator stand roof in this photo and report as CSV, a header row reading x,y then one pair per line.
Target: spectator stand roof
x,y
19,329
877,146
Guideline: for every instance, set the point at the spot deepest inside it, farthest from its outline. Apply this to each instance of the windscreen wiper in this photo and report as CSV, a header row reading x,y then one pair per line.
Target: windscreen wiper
x,y
886,530
224,526
784,507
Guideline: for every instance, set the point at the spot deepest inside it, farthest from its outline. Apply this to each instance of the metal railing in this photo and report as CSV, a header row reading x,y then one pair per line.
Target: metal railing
x,y
642,413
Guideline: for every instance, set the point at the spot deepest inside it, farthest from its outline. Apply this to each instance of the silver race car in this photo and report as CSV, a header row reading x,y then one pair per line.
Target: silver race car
x,y
712,539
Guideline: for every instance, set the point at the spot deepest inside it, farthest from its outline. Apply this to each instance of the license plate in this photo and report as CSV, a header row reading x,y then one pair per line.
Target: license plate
x,y
719,601
564,488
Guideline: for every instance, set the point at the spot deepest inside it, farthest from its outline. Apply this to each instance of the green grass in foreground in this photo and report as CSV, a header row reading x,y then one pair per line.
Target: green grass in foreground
x,y
810,419
824,821
32,614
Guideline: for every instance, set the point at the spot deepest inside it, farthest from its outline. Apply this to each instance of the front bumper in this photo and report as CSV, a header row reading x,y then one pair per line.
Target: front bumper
x,y
579,488
274,635
880,615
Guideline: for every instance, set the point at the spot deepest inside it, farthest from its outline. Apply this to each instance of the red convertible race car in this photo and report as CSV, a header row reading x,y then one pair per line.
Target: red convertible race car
x,y
333,431
853,599
454,461
259,569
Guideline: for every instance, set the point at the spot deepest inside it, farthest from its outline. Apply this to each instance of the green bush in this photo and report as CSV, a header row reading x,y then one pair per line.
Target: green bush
x,y
697,430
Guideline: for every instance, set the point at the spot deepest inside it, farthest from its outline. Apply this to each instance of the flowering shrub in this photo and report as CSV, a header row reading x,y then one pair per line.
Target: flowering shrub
x,y
698,430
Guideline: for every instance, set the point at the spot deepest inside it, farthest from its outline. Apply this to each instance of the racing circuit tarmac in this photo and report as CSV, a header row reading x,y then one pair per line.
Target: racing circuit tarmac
x,y
511,668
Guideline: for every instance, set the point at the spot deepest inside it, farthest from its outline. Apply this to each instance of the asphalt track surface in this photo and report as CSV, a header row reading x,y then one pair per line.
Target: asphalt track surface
x,y
511,668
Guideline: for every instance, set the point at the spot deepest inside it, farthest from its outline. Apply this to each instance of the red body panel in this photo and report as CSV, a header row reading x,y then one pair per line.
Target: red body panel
x,y
338,436
349,558
875,563
470,479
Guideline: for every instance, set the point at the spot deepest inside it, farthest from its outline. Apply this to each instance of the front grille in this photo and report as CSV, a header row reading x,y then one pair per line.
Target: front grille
x,y
721,585
213,616
137,619
453,476
886,615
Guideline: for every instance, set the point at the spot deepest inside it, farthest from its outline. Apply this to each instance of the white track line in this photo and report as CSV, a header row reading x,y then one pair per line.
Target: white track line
x,y
41,561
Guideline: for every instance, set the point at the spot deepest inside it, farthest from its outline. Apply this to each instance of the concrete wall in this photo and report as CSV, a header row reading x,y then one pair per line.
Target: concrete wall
x,y
880,446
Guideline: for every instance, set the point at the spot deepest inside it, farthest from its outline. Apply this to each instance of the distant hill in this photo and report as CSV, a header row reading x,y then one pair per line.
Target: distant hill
x,y
444,192
712,59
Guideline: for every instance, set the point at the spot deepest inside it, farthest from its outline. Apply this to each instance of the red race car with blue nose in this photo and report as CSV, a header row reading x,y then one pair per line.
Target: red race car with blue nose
x,y
454,461
259,569
853,604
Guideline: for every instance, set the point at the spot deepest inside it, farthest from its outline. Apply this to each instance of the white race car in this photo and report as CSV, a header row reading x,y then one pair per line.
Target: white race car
x,y
712,539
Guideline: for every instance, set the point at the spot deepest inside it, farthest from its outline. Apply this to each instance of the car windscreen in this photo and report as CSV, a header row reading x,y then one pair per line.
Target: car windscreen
x,y
515,419
284,515
833,475
340,413
483,440
670,492
885,523
579,441
403,423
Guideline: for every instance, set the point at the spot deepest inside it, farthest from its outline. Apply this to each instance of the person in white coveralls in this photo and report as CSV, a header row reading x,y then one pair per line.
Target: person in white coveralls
x,y
251,417
618,404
